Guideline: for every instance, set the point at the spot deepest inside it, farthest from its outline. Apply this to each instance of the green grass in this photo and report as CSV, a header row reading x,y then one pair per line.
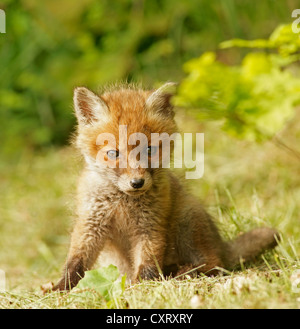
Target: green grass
x,y
245,185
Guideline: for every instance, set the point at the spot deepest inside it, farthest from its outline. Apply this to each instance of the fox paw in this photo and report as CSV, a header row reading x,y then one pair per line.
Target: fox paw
x,y
148,272
47,287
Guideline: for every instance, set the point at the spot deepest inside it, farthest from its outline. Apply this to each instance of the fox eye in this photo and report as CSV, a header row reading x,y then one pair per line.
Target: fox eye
x,y
113,154
151,150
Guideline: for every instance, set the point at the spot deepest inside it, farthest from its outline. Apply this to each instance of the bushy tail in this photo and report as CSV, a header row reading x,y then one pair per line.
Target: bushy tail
x,y
249,245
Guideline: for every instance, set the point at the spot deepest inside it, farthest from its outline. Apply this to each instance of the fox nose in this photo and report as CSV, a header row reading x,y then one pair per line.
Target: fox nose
x,y
137,182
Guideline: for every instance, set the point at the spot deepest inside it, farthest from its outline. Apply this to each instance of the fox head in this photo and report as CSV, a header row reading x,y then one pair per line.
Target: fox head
x,y
120,134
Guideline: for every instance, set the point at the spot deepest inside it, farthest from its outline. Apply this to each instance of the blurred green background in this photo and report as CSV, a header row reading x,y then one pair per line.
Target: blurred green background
x,y
52,46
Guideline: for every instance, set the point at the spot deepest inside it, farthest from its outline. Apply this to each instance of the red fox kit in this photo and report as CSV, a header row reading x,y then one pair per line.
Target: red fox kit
x,y
140,218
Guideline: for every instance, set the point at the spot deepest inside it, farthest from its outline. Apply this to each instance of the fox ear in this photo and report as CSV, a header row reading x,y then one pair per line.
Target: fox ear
x,y
89,107
159,100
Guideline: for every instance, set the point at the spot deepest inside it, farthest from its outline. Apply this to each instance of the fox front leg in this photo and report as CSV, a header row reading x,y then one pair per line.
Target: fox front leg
x,y
73,272
87,241
149,255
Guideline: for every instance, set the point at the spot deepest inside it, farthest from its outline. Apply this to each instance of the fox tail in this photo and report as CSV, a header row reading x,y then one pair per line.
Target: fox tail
x,y
249,245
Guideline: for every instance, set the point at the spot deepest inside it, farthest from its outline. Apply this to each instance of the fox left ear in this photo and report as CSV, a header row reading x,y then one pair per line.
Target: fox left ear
x,y
89,107
159,100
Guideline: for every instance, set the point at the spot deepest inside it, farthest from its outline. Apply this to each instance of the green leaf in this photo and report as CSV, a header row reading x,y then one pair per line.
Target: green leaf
x,y
104,281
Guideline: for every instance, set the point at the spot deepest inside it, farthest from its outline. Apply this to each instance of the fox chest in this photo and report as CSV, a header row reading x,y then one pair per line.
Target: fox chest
x,y
127,230
122,237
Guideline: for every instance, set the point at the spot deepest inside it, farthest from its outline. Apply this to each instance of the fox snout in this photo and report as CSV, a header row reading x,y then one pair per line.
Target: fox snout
x,y
135,183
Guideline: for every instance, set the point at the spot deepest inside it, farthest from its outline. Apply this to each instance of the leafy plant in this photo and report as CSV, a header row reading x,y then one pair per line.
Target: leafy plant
x,y
254,99
104,281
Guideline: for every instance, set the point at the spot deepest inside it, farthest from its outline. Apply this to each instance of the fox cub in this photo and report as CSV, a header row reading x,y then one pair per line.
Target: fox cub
x,y
137,217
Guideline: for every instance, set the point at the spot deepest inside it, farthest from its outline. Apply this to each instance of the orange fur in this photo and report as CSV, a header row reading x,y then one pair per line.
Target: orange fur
x,y
143,230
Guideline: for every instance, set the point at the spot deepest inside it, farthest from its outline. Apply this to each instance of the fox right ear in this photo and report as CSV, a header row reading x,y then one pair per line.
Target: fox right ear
x,y
89,107
159,100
